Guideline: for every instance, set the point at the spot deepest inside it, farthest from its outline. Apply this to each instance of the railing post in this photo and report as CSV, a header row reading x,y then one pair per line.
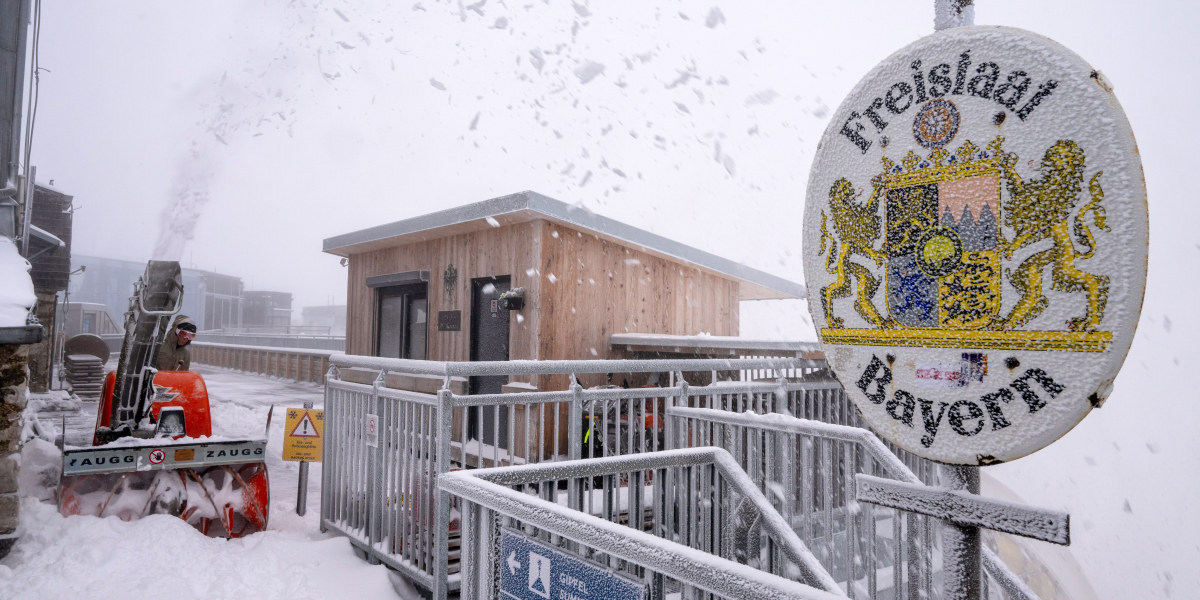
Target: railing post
x,y
374,478
441,538
470,551
681,400
575,421
781,396
575,441
960,543
329,447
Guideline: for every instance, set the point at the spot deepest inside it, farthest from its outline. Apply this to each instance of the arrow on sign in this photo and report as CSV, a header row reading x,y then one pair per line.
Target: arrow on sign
x,y
513,563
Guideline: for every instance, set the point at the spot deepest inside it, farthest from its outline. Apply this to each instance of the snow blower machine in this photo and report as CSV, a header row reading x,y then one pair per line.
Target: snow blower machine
x,y
149,453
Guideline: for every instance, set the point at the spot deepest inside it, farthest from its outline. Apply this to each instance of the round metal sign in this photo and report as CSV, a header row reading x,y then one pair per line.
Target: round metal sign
x,y
975,241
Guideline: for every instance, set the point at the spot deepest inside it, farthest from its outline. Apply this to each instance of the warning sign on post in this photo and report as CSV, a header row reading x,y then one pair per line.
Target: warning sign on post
x,y
302,434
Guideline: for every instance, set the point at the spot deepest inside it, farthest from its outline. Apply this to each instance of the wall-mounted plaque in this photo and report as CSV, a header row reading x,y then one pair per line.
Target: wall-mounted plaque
x,y
449,320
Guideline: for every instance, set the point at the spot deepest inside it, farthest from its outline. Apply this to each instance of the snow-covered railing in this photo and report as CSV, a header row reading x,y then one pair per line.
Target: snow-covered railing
x,y
689,554
378,483
377,488
332,343
808,470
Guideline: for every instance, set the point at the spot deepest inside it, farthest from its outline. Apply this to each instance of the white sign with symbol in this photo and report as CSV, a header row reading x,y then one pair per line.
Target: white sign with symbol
x,y
539,574
371,433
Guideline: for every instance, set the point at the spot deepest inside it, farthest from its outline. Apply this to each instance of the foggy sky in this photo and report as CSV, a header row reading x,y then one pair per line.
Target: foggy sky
x,y
300,121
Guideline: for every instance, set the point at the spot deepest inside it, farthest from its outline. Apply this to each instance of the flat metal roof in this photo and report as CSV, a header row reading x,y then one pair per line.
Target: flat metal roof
x,y
526,206
679,343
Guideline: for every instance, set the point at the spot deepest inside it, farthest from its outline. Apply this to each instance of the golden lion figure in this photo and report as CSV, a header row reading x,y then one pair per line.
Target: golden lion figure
x,y
1040,209
857,229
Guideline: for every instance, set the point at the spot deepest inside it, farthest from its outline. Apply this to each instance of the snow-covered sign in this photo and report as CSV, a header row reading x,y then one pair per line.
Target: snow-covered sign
x,y
975,242
303,439
530,570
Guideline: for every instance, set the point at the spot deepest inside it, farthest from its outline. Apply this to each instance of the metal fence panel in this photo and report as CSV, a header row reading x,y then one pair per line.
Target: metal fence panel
x,y
532,501
384,497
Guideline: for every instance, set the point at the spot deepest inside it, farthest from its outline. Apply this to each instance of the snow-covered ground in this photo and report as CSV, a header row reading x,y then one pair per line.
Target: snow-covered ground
x,y
163,557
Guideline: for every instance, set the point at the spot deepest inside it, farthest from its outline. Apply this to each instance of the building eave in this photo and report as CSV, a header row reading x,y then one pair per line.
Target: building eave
x,y
526,206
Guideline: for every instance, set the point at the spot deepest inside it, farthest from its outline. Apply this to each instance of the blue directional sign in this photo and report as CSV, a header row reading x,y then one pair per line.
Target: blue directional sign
x,y
531,570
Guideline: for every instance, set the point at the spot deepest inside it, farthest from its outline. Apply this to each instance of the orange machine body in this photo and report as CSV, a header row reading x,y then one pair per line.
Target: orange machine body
x,y
185,389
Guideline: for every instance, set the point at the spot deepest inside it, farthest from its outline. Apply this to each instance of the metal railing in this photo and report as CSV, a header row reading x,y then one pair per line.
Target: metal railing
x,y
274,339
381,494
386,447
604,527
807,469
299,364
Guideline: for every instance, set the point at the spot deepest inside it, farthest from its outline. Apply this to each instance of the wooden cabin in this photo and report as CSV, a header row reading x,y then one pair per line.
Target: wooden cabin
x,y
529,277
525,276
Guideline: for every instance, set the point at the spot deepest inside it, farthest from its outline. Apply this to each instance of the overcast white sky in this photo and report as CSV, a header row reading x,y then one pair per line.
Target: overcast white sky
x,y
293,121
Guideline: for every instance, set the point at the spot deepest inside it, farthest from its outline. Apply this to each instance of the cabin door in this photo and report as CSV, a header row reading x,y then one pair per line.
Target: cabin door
x,y
489,341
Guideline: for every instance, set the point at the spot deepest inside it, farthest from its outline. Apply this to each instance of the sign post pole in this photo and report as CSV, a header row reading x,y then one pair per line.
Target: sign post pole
x,y
953,13
961,544
302,441
302,483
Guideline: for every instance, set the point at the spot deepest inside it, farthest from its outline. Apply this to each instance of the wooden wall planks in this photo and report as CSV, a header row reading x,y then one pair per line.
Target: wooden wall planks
x,y
580,288
509,250
601,287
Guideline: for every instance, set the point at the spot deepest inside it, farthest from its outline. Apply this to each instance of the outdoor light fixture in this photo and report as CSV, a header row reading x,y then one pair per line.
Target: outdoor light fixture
x,y
513,299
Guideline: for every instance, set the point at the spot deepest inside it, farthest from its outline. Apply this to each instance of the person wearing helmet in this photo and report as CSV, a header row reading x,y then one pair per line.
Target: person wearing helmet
x,y
174,354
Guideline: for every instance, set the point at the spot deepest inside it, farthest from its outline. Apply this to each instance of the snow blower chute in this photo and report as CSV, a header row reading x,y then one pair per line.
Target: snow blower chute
x,y
148,454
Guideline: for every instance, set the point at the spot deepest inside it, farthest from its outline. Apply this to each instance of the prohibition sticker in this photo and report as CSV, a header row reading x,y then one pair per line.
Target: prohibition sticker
x,y
975,241
156,456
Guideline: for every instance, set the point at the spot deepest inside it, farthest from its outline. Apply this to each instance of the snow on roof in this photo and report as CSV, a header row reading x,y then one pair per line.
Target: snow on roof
x,y
677,343
16,287
527,206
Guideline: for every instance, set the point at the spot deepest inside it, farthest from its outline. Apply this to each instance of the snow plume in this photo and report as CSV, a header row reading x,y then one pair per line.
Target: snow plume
x,y
258,97
190,193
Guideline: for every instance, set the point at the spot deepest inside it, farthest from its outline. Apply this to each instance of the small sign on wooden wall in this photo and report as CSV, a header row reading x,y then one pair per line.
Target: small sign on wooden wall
x,y
449,320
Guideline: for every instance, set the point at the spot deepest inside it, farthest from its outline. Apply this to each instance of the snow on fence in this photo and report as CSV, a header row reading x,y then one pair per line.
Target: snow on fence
x,y
678,551
808,471
299,364
378,490
385,447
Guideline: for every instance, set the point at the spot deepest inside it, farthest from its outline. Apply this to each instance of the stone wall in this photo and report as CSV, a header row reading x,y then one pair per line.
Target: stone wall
x,y
13,377
41,354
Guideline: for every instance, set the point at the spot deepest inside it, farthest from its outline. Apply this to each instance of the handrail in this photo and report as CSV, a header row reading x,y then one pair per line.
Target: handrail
x,y
845,433
487,487
1013,586
277,349
566,367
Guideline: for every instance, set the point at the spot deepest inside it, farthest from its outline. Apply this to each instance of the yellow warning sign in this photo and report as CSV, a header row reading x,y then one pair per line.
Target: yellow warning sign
x,y
303,433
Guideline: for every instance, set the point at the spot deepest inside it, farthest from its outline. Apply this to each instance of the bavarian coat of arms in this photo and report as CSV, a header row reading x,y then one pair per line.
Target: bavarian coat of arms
x,y
951,222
